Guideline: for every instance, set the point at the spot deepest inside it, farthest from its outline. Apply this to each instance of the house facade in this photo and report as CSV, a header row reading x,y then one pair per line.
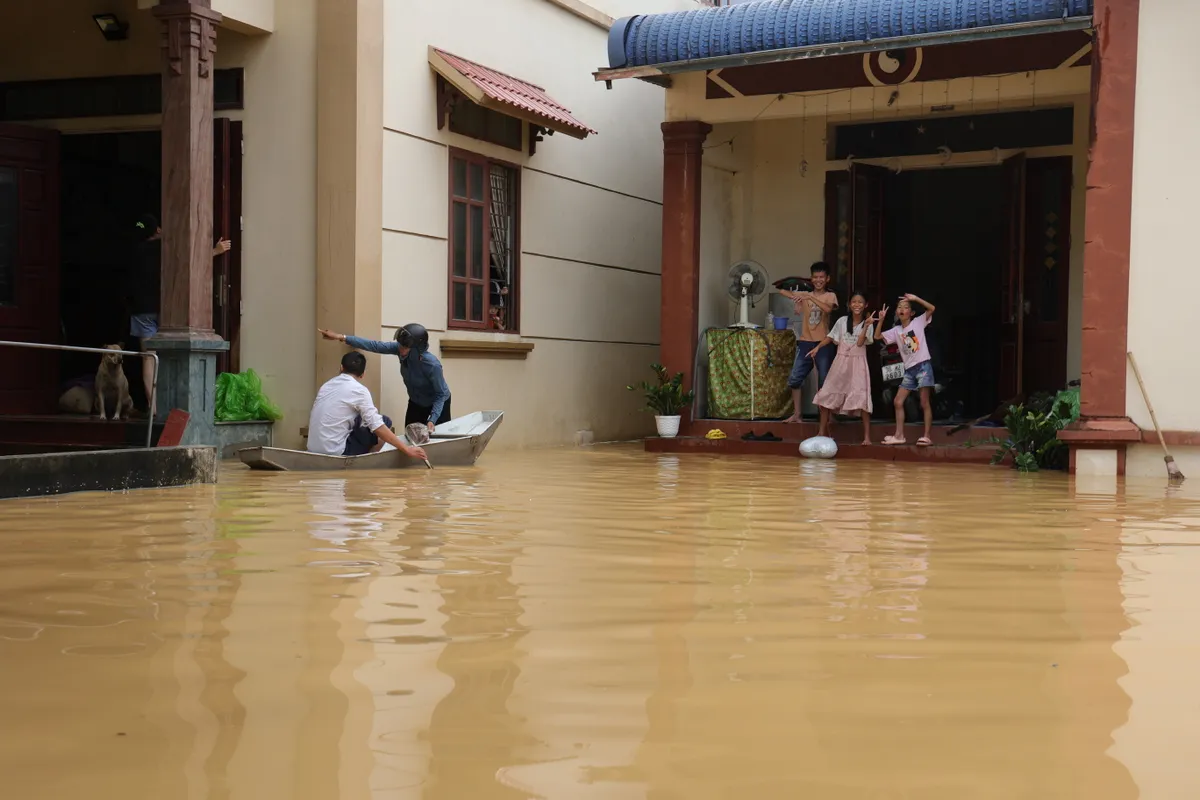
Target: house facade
x,y
374,163
1014,165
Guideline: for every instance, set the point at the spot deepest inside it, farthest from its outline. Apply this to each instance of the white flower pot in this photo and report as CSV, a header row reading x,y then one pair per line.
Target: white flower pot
x,y
668,427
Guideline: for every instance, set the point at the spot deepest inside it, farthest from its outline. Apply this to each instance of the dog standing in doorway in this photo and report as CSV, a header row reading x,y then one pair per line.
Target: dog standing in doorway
x,y
112,385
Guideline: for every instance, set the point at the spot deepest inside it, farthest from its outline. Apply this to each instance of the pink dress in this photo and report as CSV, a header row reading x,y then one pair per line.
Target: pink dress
x,y
847,388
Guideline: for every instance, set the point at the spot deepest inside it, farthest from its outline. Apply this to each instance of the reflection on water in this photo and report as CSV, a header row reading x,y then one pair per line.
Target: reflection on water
x,y
604,624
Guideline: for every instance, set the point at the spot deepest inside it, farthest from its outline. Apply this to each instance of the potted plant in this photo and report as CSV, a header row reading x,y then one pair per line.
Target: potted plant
x,y
666,398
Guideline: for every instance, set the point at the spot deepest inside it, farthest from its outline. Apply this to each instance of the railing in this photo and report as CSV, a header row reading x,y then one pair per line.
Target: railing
x,y
104,351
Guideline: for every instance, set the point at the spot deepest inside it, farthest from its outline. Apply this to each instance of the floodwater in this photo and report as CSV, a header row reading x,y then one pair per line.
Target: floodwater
x,y
604,623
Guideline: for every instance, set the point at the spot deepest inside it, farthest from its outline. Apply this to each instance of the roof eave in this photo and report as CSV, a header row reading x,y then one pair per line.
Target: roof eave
x,y
848,48
535,119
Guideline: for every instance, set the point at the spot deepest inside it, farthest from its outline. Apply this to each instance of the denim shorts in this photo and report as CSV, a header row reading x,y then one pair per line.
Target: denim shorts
x,y
143,326
918,376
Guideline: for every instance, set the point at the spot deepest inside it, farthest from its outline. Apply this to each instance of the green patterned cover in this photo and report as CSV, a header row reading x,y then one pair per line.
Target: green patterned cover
x,y
731,354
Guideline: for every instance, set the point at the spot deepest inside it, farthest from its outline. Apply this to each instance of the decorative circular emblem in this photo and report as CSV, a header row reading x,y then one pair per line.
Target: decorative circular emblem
x,y
893,67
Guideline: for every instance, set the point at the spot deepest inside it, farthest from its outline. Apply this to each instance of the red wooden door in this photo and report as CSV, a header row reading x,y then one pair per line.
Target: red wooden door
x,y
227,224
867,185
29,269
1047,272
866,254
1012,301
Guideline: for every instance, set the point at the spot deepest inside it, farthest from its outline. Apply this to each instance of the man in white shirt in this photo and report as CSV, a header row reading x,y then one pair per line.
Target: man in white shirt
x,y
344,420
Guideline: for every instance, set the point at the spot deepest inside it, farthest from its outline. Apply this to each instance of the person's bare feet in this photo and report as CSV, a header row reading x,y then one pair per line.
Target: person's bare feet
x,y
792,419
867,442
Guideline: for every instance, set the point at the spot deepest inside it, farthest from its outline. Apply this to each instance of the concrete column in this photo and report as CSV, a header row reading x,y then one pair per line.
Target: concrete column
x,y
186,343
1098,440
349,178
683,154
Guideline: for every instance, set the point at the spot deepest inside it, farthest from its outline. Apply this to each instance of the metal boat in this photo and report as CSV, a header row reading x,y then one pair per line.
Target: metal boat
x,y
457,443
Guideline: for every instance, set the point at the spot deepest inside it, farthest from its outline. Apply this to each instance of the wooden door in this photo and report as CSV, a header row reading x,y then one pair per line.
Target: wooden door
x,y
838,222
227,224
29,270
1047,273
1012,279
866,254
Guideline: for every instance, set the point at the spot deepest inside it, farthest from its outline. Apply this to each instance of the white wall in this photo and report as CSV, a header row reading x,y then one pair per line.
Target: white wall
x,y
590,227
1163,273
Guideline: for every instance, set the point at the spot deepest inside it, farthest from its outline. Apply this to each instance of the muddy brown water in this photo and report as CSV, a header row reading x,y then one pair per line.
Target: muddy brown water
x,y
604,623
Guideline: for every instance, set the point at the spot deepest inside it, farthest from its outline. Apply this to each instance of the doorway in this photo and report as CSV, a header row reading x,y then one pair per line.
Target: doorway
x,y
68,208
943,239
989,245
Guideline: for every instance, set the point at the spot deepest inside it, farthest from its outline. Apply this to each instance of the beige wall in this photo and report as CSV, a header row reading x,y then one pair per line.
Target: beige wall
x,y
774,205
279,207
1163,250
57,39
244,16
590,226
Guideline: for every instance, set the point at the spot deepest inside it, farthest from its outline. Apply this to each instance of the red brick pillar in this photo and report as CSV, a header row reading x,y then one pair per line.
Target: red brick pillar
x,y
1109,200
683,153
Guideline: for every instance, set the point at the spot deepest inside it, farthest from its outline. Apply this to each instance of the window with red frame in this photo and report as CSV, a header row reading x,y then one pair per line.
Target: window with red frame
x,y
484,229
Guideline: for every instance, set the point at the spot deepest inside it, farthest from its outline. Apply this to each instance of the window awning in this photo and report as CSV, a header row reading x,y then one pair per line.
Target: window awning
x,y
508,95
654,45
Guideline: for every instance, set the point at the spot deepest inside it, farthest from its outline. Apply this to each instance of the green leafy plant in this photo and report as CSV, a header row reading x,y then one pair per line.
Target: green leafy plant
x,y
667,397
1033,433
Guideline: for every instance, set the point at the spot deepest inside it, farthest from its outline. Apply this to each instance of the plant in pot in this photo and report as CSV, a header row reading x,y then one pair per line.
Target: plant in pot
x,y
666,398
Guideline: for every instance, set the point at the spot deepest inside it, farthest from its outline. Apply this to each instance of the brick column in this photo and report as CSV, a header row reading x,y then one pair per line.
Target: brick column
x,y
1109,200
186,342
683,153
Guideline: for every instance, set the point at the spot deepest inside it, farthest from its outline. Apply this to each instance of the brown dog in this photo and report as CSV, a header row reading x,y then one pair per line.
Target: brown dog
x,y
112,385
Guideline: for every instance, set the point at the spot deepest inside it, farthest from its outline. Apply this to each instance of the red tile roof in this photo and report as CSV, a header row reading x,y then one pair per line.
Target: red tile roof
x,y
518,94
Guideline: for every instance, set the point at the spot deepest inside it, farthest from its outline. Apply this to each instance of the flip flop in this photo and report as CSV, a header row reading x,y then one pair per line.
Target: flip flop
x,y
892,441
924,441
769,437
750,436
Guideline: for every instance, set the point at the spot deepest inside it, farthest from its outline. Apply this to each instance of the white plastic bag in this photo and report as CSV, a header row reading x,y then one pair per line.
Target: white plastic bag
x,y
818,447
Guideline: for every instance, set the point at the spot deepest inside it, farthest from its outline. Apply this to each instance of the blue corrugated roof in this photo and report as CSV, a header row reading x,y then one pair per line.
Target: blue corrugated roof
x,y
783,24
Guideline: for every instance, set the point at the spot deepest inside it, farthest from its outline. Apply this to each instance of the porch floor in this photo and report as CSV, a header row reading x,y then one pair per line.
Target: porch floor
x,y
22,434
968,446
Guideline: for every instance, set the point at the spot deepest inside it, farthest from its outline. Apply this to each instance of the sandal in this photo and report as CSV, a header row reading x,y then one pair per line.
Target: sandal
x,y
769,437
750,436
924,441
893,441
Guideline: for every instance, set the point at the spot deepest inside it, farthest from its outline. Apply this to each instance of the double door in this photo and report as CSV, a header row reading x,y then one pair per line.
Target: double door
x,y
30,275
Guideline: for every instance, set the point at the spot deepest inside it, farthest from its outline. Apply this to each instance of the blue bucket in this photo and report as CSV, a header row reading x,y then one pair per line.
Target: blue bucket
x,y
781,323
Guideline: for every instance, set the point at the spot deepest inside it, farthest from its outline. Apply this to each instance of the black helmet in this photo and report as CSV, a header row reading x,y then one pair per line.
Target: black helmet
x,y
413,336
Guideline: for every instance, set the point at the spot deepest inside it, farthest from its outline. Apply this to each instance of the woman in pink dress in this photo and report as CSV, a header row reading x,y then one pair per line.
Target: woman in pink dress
x,y
847,389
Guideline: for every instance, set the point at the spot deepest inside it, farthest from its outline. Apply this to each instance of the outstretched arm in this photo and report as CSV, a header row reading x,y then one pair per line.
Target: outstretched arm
x,y
373,420
368,345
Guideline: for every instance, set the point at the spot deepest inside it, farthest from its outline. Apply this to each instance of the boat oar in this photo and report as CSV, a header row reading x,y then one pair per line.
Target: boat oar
x,y
418,435
1174,474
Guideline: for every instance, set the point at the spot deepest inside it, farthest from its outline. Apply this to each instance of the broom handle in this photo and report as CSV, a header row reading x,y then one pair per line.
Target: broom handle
x,y
1145,396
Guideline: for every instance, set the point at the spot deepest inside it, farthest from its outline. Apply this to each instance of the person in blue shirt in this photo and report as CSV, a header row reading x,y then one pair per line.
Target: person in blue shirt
x,y
428,394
